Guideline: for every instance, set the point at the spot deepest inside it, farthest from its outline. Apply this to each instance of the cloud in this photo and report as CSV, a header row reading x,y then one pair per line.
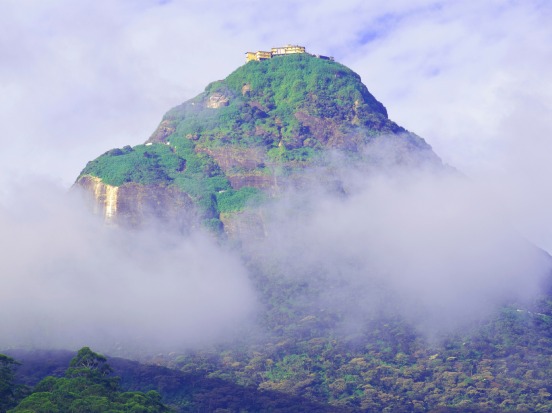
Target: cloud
x,y
472,79
68,280
431,246
458,64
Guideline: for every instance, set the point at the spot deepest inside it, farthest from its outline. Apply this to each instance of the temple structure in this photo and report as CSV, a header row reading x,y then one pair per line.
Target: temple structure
x,y
279,51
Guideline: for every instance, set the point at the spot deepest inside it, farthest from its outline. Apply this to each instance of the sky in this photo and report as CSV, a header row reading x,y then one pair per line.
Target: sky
x,y
79,78
472,78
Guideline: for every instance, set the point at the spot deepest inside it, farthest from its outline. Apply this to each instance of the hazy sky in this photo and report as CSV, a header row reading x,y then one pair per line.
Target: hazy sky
x,y
78,78
472,78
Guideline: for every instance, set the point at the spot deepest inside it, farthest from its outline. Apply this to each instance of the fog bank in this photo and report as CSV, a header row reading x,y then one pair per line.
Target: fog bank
x,y
430,245
69,280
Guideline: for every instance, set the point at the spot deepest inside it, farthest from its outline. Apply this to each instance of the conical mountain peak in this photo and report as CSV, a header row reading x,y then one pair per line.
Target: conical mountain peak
x,y
250,134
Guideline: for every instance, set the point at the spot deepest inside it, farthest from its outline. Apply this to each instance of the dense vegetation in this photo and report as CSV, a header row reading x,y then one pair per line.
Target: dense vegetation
x,y
502,365
10,391
264,99
87,387
505,366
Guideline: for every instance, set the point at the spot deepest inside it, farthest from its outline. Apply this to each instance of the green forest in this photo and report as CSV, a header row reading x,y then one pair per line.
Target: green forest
x,y
87,386
501,365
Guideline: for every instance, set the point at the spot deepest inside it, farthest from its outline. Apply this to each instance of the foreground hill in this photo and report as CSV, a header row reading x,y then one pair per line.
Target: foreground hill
x,y
504,365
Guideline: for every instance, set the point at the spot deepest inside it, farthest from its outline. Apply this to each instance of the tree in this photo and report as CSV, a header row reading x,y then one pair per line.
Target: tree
x,y
9,391
87,387
89,364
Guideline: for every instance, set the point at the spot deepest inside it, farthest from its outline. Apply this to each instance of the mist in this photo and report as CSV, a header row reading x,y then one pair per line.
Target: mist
x,y
69,280
426,243
396,234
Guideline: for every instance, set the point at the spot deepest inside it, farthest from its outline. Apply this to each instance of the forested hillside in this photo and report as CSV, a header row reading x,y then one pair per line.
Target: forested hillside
x,y
502,365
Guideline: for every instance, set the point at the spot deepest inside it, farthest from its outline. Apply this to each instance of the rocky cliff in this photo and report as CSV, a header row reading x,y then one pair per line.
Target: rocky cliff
x,y
133,205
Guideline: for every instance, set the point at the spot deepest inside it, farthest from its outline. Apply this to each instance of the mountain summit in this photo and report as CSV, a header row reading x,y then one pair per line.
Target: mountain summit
x,y
244,137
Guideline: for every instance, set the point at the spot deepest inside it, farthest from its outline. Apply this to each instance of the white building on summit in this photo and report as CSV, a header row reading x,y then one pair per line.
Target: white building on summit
x,y
279,51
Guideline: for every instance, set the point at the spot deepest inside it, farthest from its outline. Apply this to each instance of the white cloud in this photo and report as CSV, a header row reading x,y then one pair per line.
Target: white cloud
x,y
68,281
482,60
429,245
472,79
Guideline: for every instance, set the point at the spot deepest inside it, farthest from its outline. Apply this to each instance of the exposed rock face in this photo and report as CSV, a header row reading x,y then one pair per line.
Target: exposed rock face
x,y
217,100
135,205
104,196
165,129
234,157
261,181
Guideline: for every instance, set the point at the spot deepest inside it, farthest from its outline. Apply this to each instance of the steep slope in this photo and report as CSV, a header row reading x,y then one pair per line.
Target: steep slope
x,y
246,137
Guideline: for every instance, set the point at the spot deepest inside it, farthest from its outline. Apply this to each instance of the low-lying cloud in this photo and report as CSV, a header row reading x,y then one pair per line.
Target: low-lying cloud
x,y
431,246
423,242
69,280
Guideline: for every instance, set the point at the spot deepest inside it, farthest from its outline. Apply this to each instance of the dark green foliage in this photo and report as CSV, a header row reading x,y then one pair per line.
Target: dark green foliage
x,y
281,154
10,391
91,366
504,365
87,388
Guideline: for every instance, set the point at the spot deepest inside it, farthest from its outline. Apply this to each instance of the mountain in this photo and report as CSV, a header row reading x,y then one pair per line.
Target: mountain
x,y
245,138
358,318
